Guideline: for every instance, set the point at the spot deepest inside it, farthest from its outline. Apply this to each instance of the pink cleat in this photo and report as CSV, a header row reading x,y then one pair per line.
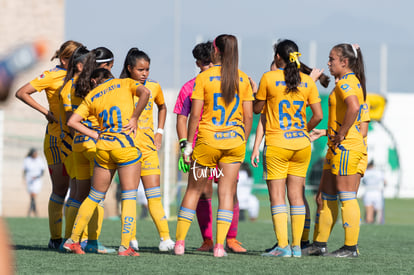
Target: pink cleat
x,y
179,247
219,251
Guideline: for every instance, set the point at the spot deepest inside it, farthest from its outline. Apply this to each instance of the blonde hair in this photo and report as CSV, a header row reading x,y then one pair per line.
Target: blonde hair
x,y
66,50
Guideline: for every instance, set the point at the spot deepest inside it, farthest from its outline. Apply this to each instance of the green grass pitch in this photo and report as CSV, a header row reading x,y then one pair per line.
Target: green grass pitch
x,y
385,249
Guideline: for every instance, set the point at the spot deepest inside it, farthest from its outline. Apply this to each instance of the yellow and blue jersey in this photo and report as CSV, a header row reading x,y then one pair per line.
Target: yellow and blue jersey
x,y
51,82
112,103
347,86
145,137
82,142
221,126
286,123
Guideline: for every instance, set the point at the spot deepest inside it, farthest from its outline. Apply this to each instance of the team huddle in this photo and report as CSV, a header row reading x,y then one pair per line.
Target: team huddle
x,y
99,125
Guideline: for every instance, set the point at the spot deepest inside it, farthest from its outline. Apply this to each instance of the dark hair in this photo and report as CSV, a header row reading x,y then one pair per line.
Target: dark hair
x,y
323,79
131,58
31,152
202,52
226,46
355,62
291,71
78,56
93,60
100,75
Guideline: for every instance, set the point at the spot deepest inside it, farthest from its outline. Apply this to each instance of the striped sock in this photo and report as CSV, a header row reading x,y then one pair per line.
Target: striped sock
x,y
280,224
71,213
95,224
205,218
55,209
85,213
297,215
185,217
234,222
350,217
128,216
327,217
224,218
156,211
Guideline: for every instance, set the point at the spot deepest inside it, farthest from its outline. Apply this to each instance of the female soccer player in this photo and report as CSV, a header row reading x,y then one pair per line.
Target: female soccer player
x,y
204,212
224,95
112,104
51,81
285,92
315,74
342,169
82,64
137,66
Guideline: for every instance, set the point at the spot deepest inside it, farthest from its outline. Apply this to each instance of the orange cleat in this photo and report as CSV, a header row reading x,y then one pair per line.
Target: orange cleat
x,y
73,247
129,252
207,246
233,245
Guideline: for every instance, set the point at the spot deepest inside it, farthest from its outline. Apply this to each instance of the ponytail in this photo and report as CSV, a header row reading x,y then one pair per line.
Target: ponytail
x,y
289,53
66,50
355,62
226,46
78,56
93,60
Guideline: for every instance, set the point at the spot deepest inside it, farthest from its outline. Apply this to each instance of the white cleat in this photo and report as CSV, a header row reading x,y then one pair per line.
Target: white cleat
x,y
167,245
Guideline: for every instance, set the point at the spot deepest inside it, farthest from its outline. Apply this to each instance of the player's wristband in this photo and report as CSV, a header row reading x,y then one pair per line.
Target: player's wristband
x,y
183,143
188,148
160,131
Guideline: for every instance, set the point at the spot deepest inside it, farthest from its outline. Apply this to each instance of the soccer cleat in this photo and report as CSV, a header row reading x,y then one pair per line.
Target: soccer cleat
x,y
84,243
61,249
279,252
134,244
273,247
94,246
207,246
166,245
123,251
54,243
315,250
179,247
219,251
344,252
304,244
73,247
296,251
234,246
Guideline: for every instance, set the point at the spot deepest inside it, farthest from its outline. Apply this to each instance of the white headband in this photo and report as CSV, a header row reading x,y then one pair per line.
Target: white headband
x,y
104,60
355,50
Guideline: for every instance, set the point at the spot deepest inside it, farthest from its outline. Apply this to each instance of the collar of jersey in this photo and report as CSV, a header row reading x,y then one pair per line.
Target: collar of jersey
x,y
60,68
347,75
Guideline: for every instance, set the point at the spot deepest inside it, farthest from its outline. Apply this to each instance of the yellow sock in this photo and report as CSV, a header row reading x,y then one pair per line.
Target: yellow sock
x,y
55,209
71,213
85,213
156,211
224,218
316,227
280,224
327,217
350,217
66,208
185,217
306,228
95,224
128,215
297,215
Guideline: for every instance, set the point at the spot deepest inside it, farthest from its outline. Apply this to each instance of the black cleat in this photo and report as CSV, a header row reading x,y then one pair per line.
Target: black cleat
x,y
315,250
54,243
344,252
